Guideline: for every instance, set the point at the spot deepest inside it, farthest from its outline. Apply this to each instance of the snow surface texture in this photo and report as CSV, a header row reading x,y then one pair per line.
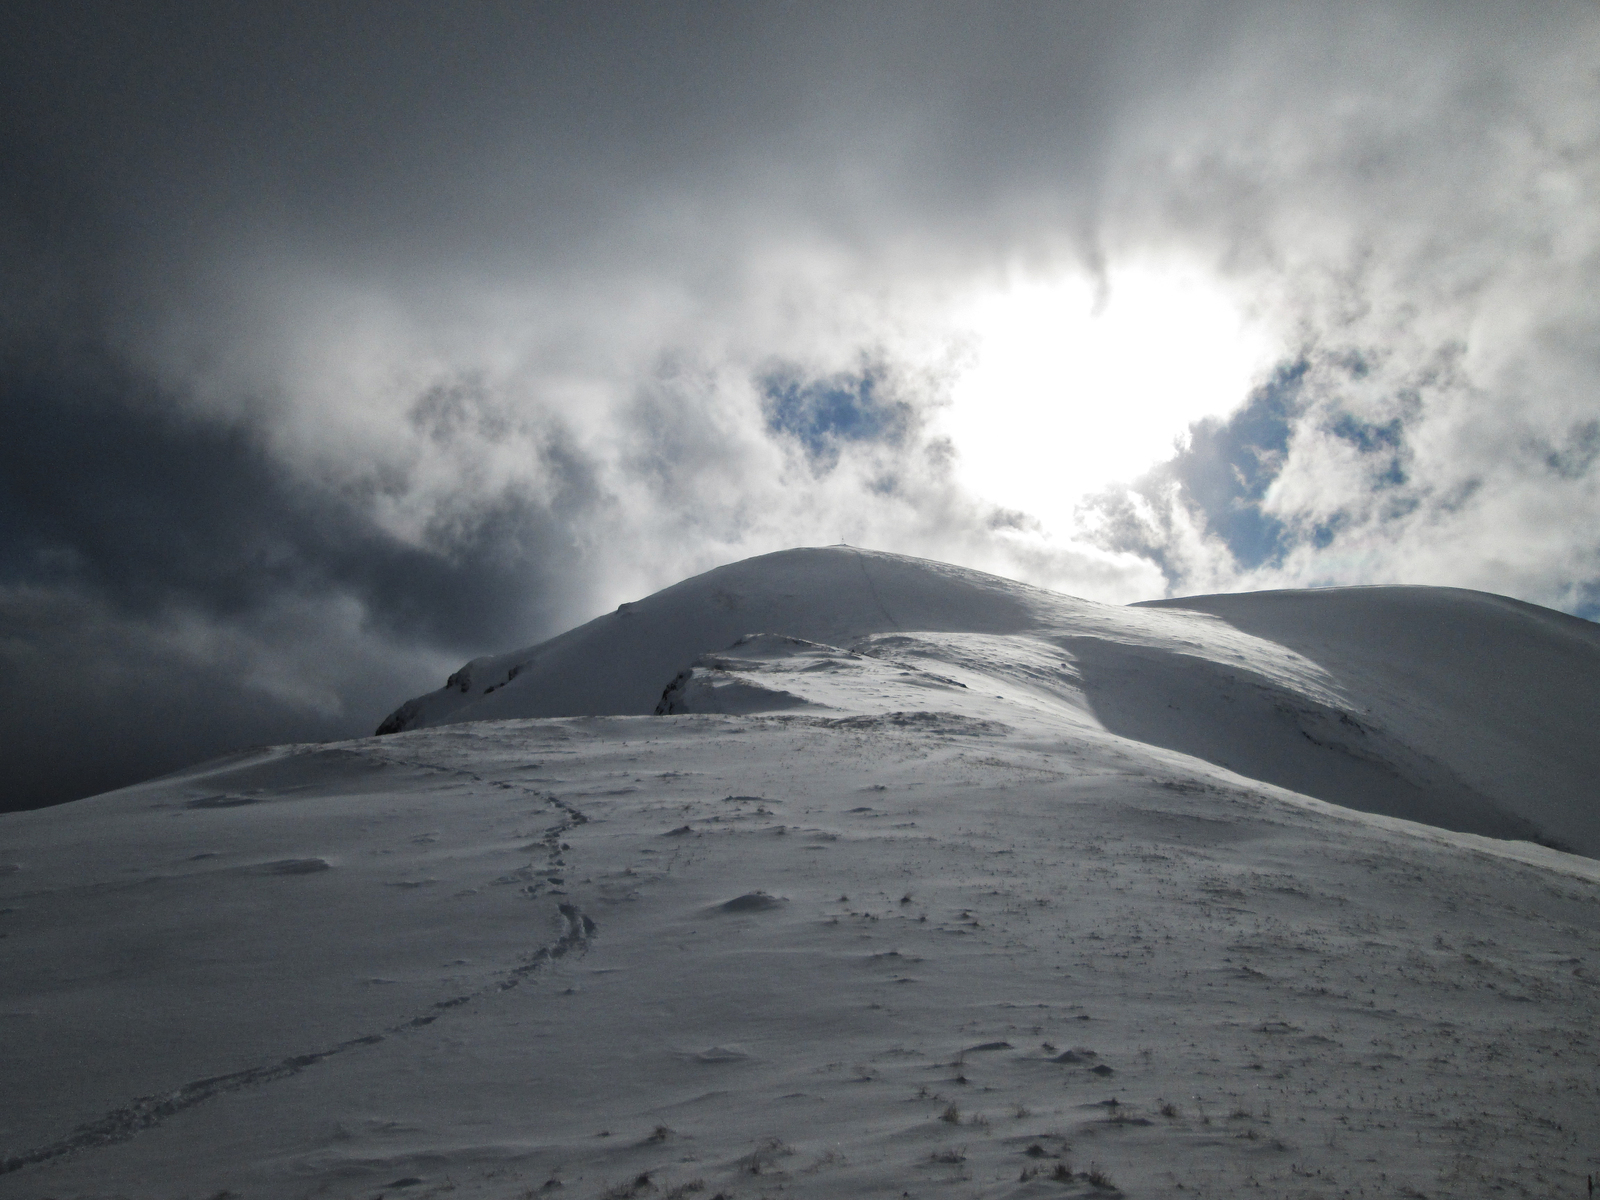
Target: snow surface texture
x,y
943,911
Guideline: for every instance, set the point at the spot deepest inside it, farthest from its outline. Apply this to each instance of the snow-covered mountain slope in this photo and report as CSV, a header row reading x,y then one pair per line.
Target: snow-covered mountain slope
x,y
921,883
796,954
1455,708
1506,693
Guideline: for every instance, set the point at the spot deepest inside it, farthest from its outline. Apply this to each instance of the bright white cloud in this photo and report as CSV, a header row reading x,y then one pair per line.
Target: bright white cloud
x,y
1077,383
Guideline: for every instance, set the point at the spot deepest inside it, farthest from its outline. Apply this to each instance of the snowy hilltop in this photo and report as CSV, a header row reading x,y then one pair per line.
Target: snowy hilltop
x,y
1456,708
837,874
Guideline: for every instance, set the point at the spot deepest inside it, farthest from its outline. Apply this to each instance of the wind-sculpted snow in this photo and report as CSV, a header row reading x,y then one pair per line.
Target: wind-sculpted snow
x,y
1458,709
767,673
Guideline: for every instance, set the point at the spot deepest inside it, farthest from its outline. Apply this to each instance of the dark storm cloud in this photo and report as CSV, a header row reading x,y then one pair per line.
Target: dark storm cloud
x,y
396,137
149,560
104,487
341,342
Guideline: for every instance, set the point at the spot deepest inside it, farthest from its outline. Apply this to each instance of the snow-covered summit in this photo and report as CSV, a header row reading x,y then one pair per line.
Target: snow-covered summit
x,y
1456,708
618,664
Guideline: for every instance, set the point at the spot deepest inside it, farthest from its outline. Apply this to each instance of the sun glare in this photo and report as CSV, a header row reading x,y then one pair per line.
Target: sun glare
x,y
1070,391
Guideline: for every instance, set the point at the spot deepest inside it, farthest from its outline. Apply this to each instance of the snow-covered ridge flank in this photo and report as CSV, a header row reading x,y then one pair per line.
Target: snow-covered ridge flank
x,y
1459,709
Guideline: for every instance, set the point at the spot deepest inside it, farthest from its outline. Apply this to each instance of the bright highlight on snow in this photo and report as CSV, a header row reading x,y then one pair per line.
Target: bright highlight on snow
x,y
1074,388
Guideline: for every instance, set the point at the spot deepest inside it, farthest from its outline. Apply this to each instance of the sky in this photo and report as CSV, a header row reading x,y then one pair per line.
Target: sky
x,y
342,343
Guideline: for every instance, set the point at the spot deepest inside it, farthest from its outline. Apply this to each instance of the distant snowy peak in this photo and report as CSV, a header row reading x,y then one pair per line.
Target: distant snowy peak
x,y
1456,708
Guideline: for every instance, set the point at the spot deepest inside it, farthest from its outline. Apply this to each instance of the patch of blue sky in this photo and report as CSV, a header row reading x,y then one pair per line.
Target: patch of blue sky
x,y
1367,436
1228,465
1582,448
824,413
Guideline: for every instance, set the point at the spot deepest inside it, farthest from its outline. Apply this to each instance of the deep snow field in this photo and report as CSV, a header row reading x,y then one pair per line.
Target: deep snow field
x,y
937,885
